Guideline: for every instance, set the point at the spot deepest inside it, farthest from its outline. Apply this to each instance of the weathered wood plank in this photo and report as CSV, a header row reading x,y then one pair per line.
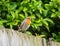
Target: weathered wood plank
x,y
44,42
14,38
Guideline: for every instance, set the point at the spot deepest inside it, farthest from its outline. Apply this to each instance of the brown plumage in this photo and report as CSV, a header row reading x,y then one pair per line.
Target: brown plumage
x,y
25,24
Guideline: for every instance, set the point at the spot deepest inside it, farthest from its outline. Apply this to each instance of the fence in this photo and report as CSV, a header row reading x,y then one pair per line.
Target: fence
x,y
14,38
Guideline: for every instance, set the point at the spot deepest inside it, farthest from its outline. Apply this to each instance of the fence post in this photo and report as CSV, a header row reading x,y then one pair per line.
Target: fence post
x,y
44,42
51,42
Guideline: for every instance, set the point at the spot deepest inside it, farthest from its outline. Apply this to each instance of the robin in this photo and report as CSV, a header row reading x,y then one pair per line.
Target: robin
x,y
25,24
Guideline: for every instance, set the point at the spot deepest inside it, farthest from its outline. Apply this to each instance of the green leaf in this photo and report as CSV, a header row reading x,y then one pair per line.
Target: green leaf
x,y
53,15
21,15
12,13
46,25
28,33
42,36
35,25
49,20
54,35
3,21
11,26
44,22
1,26
32,16
45,12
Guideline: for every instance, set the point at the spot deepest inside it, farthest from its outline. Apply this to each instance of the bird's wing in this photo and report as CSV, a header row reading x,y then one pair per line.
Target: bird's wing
x,y
20,27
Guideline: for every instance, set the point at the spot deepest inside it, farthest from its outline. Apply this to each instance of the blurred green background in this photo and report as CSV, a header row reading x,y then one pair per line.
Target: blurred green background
x,y
45,16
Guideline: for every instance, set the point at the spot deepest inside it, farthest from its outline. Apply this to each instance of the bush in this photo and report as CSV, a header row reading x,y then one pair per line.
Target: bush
x,y
45,15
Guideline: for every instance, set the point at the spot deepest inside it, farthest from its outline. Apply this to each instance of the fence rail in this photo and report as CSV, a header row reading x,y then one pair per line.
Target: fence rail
x,y
14,38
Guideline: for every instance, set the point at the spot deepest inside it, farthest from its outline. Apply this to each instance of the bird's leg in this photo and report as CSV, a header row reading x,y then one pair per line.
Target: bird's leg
x,y
24,31
19,28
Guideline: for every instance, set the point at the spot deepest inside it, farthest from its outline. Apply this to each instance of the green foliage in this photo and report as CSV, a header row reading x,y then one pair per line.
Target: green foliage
x,y
45,15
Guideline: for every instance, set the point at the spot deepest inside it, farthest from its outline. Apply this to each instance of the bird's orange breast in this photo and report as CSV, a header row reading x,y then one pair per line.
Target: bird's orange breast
x,y
28,21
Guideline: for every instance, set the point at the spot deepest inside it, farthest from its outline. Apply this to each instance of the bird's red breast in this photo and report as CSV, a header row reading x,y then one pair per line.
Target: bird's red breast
x,y
28,21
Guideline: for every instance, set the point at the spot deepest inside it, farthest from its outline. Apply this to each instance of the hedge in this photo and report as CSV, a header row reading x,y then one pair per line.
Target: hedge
x,y
45,15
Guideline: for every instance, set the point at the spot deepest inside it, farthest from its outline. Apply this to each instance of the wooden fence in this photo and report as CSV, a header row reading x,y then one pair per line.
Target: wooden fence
x,y
14,38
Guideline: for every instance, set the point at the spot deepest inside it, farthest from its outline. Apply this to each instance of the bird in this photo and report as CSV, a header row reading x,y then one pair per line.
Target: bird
x,y
25,24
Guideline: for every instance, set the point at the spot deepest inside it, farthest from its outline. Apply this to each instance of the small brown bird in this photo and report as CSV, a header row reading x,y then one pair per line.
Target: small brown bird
x,y
25,24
